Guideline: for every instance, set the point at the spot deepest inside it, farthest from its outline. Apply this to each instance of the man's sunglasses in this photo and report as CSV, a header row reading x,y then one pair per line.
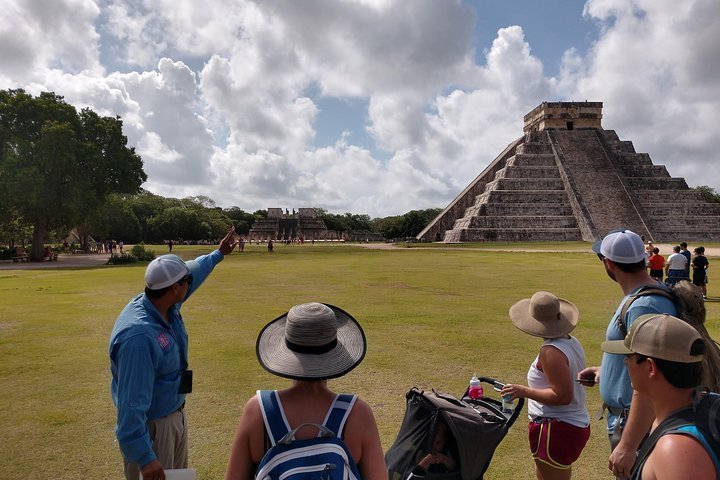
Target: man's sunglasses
x,y
185,279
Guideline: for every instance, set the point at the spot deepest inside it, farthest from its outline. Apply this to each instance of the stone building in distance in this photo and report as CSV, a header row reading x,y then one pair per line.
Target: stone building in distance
x,y
303,224
569,179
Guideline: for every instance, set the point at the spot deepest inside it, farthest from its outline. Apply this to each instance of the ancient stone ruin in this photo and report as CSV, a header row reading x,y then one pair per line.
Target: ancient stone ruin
x,y
280,225
568,179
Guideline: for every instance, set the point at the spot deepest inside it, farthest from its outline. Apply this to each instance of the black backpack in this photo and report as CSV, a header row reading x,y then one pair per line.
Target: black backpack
x,y
690,307
704,414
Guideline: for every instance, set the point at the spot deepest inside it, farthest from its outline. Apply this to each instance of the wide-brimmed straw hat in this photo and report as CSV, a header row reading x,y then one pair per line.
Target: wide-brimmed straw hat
x,y
313,341
544,315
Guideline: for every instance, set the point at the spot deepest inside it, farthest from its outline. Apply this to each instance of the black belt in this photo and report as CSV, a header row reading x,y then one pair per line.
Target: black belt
x,y
618,412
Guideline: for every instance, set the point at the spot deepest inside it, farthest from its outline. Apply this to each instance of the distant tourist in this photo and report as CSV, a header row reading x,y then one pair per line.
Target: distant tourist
x,y
270,245
657,264
700,265
649,251
686,253
675,268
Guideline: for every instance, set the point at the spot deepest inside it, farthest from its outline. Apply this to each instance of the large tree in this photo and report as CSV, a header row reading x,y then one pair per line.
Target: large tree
x,y
57,165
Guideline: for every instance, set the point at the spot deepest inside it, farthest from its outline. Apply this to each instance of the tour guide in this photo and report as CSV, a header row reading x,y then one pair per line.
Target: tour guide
x,y
149,364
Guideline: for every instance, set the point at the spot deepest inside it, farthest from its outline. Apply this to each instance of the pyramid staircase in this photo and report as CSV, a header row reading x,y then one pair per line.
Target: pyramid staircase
x,y
564,185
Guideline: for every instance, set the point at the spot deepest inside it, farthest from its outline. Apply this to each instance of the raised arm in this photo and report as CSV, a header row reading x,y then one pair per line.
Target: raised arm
x,y
228,242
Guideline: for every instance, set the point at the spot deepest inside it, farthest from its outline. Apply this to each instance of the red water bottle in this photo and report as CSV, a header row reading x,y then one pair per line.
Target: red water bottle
x,y
475,390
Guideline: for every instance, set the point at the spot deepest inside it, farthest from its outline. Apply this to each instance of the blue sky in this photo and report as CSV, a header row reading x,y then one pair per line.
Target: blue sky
x,y
366,106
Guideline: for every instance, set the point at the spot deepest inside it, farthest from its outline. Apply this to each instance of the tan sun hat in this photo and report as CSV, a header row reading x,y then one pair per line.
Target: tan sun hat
x,y
312,341
658,336
544,315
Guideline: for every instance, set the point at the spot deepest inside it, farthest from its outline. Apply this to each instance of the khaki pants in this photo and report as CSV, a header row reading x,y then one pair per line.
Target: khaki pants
x,y
169,437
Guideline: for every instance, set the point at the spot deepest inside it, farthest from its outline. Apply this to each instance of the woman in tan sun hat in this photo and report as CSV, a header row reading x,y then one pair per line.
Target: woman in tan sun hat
x,y
309,344
559,422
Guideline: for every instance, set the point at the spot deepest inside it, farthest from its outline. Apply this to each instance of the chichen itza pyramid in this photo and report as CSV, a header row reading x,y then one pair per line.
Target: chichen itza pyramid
x,y
568,179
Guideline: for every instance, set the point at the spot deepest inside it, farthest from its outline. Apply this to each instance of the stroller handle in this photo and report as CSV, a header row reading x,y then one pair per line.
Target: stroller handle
x,y
497,385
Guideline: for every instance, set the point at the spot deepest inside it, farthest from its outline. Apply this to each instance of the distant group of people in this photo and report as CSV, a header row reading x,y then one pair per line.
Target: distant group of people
x,y
314,342
679,265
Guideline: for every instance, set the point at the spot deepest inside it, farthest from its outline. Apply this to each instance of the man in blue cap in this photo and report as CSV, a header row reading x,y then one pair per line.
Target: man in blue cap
x,y
149,365
629,414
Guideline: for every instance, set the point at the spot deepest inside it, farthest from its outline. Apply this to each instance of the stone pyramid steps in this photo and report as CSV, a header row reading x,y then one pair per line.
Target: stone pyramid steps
x,y
524,184
657,183
532,234
508,221
531,209
569,179
672,211
526,200
512,171
681,211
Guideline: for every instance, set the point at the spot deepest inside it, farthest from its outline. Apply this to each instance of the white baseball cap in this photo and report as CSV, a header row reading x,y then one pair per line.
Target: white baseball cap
x,y
164,271
621,246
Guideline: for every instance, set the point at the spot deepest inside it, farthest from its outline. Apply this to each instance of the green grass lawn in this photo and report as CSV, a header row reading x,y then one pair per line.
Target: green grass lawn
x,y
432,317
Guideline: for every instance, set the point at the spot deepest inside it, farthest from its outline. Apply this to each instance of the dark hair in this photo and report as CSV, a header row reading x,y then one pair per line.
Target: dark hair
x,y
676,249
678,374
155,294
656,250
683,244
631,267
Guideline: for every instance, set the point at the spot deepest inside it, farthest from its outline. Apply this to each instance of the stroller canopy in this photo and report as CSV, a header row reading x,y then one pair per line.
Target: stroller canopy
x,y
476,430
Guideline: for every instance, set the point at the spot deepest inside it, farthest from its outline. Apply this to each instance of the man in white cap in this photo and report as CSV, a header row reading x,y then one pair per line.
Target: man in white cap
x,y
629,414
664,357
149,364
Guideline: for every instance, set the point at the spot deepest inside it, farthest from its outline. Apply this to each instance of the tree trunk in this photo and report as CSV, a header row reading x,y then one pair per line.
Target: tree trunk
x,y
38,244
83,236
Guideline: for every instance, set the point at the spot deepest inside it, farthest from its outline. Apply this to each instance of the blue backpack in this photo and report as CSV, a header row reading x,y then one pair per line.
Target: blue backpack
x,y
325,457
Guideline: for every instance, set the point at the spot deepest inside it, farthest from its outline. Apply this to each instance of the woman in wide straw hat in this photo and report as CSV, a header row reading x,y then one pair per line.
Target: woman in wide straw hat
x,y
309,344
559,422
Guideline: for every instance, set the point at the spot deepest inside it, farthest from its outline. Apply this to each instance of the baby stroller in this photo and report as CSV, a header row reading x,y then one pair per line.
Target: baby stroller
x,y
475,429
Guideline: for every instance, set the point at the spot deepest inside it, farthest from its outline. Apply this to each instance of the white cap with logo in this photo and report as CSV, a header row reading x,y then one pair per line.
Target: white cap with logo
x,y
621,246
164,271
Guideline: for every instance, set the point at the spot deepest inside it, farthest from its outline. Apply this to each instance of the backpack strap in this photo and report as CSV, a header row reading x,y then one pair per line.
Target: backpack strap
x,y
707,411
642,291
338,413
276,424
681,418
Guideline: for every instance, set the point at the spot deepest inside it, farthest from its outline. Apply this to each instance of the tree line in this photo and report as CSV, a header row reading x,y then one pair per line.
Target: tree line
x,y
149,218
62,169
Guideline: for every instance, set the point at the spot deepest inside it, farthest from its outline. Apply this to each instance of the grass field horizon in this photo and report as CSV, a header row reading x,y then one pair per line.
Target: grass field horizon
x,y
432,317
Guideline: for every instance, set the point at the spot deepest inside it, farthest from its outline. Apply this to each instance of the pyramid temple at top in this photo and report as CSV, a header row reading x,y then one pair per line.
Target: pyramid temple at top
x,y
568,179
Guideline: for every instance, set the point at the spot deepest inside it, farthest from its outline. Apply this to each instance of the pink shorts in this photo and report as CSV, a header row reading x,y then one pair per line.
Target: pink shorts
x,y
556,443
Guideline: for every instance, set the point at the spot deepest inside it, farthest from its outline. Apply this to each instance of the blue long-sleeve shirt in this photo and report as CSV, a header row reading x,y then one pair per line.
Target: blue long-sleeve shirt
x,y
147,356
